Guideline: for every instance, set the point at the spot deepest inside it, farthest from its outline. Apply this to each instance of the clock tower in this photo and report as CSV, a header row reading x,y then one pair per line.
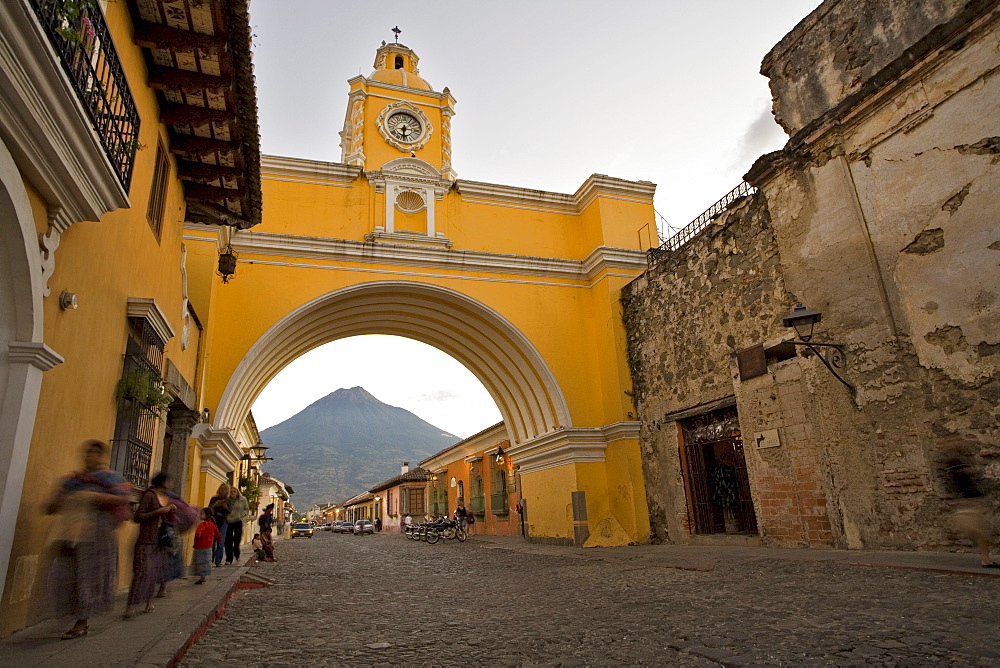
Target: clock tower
x,y
394,113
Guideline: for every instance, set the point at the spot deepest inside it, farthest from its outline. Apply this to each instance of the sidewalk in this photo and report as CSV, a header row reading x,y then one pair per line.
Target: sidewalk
x,y
153,639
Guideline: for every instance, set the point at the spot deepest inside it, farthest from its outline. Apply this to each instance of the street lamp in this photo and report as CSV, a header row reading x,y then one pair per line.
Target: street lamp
x,y
501,457
803,320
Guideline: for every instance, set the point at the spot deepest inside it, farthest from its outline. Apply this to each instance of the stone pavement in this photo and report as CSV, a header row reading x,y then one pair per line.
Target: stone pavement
x,y
341,599
492,600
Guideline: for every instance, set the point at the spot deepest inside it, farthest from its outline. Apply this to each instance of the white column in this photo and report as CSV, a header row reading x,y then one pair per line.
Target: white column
x,y
26,362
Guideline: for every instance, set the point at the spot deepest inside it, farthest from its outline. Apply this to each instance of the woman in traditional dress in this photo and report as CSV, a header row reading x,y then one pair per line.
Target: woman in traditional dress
x,y
220,507
90,505
149,559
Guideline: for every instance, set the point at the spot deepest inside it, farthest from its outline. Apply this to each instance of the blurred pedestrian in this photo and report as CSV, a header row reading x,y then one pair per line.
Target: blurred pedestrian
x,y
462,516
267,544
266,519
204,545
89,505
378,524
156,541
971,517
239,508
407,521
220,509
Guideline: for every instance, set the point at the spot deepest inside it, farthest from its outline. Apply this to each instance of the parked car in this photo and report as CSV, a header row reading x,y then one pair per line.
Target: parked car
x,y
343,526
303,529
363,527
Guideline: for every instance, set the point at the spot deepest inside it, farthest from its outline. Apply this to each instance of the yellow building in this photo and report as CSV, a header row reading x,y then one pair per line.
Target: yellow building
x,y
118,122
521,286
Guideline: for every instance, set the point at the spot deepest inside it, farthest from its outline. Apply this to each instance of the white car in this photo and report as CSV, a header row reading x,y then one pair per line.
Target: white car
x,y
363,527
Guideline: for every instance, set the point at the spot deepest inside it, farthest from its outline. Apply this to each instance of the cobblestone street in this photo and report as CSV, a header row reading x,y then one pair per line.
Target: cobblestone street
x,y
385,599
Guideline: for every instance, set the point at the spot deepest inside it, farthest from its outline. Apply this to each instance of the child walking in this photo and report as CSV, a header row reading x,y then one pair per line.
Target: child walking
x,y
205,537
258,547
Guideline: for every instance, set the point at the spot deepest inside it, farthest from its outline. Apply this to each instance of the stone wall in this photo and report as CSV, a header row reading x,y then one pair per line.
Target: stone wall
x,y
881,215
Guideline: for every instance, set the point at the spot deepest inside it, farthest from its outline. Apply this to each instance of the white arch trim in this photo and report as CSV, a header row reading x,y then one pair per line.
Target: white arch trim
x,y
500,356
24,357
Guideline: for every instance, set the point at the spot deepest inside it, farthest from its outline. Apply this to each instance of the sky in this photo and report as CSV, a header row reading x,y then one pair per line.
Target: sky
x,y
548,92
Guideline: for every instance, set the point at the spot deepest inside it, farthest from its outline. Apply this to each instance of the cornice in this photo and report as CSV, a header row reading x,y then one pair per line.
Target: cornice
x,y
597,185
345,250
443,95
572,445
308,170
142,307
35,353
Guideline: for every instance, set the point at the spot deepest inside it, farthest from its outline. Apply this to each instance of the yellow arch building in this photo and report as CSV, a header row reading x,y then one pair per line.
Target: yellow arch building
x,y
521,286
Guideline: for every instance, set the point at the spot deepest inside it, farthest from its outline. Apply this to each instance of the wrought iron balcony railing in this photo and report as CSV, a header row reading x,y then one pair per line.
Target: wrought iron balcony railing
x,y
499,504
80,37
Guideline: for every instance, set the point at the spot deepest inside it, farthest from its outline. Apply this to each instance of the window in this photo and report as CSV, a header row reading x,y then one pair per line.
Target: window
x,y
413,498
136,422
399,62
158,191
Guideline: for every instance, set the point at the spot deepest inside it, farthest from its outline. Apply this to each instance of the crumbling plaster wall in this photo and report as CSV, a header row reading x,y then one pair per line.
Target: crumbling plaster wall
x,y
906,172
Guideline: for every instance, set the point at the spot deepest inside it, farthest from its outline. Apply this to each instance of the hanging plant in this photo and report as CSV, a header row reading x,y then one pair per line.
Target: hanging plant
x,y
724,490
144,386
251,490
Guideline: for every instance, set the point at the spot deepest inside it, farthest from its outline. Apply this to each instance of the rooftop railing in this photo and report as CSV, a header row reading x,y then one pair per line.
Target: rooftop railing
x,y
80,37
694,228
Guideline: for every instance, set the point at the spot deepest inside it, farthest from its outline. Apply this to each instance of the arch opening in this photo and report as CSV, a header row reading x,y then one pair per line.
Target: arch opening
x,y
489,346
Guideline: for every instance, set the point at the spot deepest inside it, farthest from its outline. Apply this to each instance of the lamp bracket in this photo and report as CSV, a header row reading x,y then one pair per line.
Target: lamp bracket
x,y
834,359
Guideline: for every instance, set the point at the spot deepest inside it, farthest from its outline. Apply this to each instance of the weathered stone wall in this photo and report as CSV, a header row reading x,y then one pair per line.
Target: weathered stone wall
x,y
884,218
685,318
845,45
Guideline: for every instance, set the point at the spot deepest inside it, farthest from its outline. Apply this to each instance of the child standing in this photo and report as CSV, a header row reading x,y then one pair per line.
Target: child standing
x,y
205,537
258,547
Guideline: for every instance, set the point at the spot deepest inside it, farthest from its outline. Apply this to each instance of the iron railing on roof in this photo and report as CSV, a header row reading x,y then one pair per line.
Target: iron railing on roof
x,y
79,35
692,229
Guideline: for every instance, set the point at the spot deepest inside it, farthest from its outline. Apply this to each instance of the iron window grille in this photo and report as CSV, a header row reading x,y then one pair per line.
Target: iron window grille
x,y
137,423
80,37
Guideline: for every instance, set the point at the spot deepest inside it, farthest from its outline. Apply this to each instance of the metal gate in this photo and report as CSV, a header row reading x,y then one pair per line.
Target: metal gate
x,y
715,474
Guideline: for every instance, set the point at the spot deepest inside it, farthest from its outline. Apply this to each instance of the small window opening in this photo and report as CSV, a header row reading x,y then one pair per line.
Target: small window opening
x,y
399,62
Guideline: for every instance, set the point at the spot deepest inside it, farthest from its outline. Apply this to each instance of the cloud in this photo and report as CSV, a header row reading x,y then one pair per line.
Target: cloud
x,y
761,136
439,395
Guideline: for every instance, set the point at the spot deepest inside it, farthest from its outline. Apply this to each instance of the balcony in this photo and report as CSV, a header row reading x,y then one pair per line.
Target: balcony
x,y
477,504
499,504
80,38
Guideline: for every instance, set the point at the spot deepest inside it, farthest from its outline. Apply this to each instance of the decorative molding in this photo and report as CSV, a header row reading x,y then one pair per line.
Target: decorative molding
x,y
48,243
572,445
435,252
310,171
142,307
355,134
443,95
425,124
219,450
35,353
597,185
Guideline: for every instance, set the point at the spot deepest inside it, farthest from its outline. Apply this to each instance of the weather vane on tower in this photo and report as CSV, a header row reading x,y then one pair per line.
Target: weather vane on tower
x,y
396,30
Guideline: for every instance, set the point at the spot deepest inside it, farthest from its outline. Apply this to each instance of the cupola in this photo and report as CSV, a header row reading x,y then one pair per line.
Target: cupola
x,y
396,63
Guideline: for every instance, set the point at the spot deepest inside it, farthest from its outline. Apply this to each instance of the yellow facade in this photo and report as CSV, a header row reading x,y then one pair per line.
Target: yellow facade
x,y
521,286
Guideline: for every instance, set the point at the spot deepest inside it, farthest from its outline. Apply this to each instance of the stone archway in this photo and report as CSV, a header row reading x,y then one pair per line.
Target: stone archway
x,y
501,357
23,354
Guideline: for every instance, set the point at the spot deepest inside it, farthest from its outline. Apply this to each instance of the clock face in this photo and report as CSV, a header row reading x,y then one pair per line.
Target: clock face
x,y
403,127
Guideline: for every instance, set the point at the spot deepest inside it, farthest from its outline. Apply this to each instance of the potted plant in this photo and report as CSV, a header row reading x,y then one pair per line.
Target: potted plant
x,y
145,387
